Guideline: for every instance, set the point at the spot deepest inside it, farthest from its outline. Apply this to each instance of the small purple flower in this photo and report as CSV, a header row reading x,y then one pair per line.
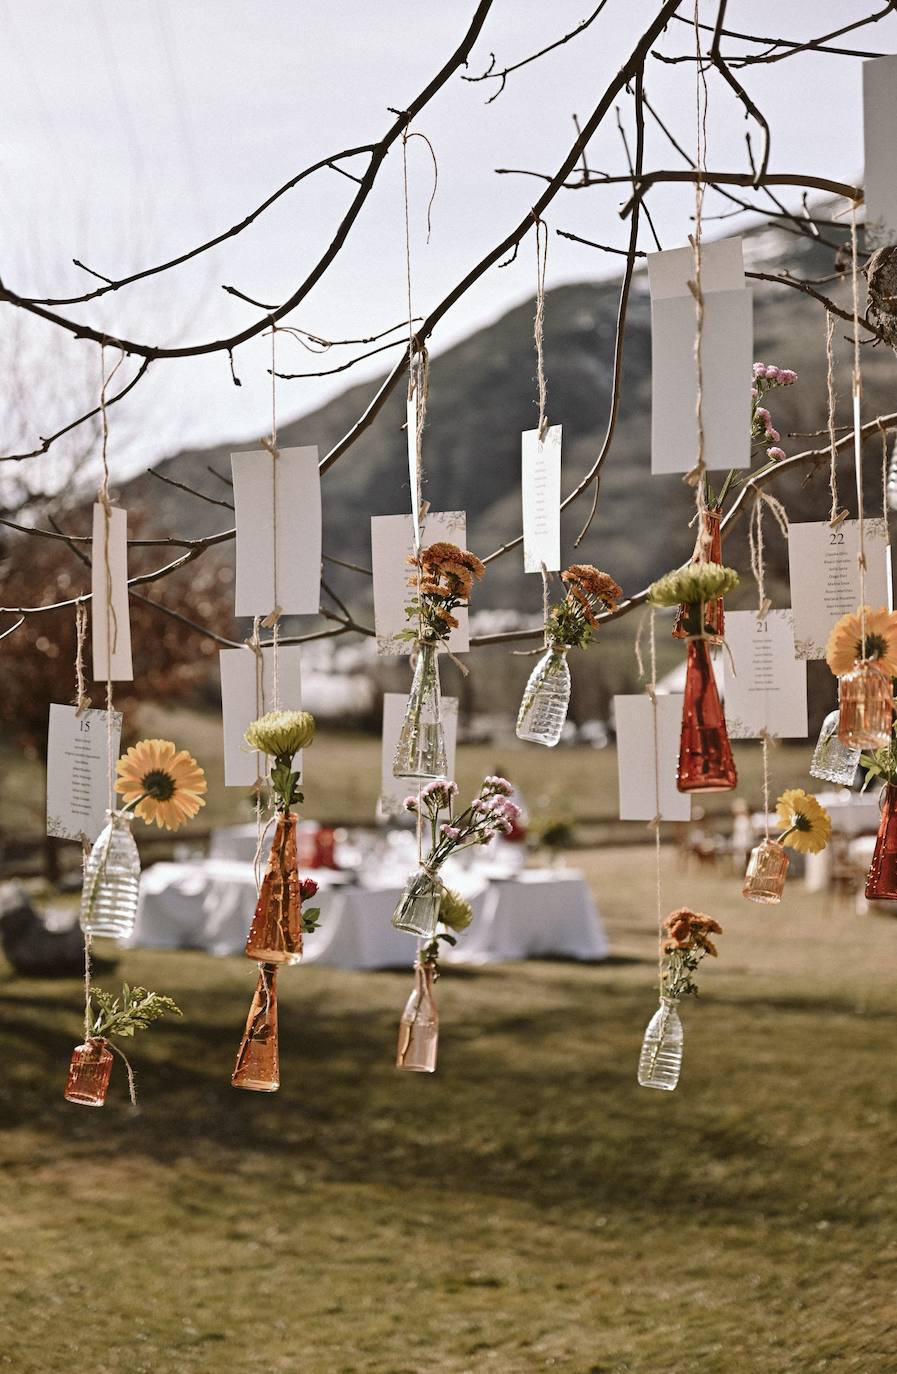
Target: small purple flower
x,y
410,803
495,785
451,832
759,369
764,415
786,376
775,453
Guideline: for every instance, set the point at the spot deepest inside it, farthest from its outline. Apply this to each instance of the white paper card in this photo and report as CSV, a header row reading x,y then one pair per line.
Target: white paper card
x,y
726,357
393,791
634,720
110,612
392,544
242,703
78,771
413,463
825,577
768,689
541,482
880,143
297,585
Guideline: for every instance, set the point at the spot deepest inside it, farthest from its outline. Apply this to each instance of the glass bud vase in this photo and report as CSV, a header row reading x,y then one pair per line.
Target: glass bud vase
x,y
833,761
419,1026
708,549
258,1063
865,707
660,1061
420,752
767,870
111,880
275,936
705,754
89,1072
543,710
418,908
881,883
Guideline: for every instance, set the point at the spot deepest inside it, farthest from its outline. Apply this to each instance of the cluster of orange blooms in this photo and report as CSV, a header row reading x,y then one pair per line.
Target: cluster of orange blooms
x,y
443,578
690,930
591,587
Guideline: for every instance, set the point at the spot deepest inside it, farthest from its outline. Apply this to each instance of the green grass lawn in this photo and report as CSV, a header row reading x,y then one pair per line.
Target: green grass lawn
x,y
527,1208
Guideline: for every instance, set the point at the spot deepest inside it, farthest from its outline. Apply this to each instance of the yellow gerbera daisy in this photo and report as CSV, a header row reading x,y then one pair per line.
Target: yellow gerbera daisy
x,y
166,784
845,641
806,823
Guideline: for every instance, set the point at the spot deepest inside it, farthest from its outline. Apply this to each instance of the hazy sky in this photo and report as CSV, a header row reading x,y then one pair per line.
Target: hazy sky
x,y
131,131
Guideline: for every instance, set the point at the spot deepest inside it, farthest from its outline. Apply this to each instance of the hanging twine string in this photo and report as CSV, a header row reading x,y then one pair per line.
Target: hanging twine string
x,y
254,644
132,1086
857,385
766,739
539,321
648,619
696,476
755,539
835,516
82,700
272,619
111,619
882,429
418,357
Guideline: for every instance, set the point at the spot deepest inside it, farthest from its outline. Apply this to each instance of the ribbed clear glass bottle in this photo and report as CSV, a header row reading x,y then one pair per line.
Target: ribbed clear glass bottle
x,y
111,880
417,911
833,761
419,1026
767,870
420,752
543,710
660,1061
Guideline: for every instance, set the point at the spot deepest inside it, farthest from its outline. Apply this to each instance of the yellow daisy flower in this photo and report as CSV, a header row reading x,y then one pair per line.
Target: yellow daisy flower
x,y
806,823
166,784
845,641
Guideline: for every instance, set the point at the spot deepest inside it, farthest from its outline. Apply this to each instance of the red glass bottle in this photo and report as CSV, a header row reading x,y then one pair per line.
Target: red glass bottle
x,y
708,549
258,1062
275,936
705,754
881,884
89,1072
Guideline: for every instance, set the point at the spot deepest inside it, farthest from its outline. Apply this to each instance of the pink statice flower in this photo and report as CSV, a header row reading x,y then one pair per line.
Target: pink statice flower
x,y
451,832
495,785
776,454
410,803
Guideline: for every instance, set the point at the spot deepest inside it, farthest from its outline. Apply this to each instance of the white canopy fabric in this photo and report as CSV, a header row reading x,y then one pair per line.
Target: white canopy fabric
x,y
209,905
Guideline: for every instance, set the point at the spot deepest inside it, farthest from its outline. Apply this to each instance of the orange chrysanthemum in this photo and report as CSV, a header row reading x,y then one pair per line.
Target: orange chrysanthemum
x,y
845,644
166,784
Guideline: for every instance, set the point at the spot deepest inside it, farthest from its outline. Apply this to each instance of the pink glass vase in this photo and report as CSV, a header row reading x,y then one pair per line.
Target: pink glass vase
x,y
258,1062
705,755
708,549
275,936
89,1072
419,1026
881,884
767,870
865,707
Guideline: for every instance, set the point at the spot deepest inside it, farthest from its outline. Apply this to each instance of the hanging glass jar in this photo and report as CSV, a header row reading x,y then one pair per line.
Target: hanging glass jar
x,y
881,883
275,936
833,761
660,1061
865,706
258,1064
420,752
543,710
112,880
418,909
708,549
89,1073
767,869
419,1026
705,754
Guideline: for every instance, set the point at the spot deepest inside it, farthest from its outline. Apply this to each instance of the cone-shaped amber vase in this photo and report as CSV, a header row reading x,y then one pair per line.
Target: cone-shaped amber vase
x,y
258,1062
881,884
275,936
89,1071
710,539
705,755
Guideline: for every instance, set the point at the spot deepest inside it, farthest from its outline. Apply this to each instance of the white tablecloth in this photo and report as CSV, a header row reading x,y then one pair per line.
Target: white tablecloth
x,y
208,905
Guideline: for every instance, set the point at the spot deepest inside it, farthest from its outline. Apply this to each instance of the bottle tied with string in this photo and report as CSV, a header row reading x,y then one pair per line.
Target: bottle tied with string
x,y
570,624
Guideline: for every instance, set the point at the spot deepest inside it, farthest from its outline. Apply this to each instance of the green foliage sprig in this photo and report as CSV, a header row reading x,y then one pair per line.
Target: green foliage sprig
x,y
136,1009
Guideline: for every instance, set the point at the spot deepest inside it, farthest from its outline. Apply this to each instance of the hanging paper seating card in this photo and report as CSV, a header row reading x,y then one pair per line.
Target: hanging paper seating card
x,y
825,577
278,561
541,487
727,358
767,691
393,790
246,695
392,544
78,771
640,797
880,146
110,613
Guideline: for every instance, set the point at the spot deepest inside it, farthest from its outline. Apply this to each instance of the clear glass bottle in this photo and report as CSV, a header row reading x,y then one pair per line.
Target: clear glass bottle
x,y
419,1026
705,754
767,869
111,880
881,883
660,1061
865,706
833,761
258,1062
418,908
275,936
543,710
89,1072
420,752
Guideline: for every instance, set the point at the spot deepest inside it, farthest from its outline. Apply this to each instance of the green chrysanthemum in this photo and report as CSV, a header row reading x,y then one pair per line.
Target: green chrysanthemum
x,y
692,585
281,733
454,911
